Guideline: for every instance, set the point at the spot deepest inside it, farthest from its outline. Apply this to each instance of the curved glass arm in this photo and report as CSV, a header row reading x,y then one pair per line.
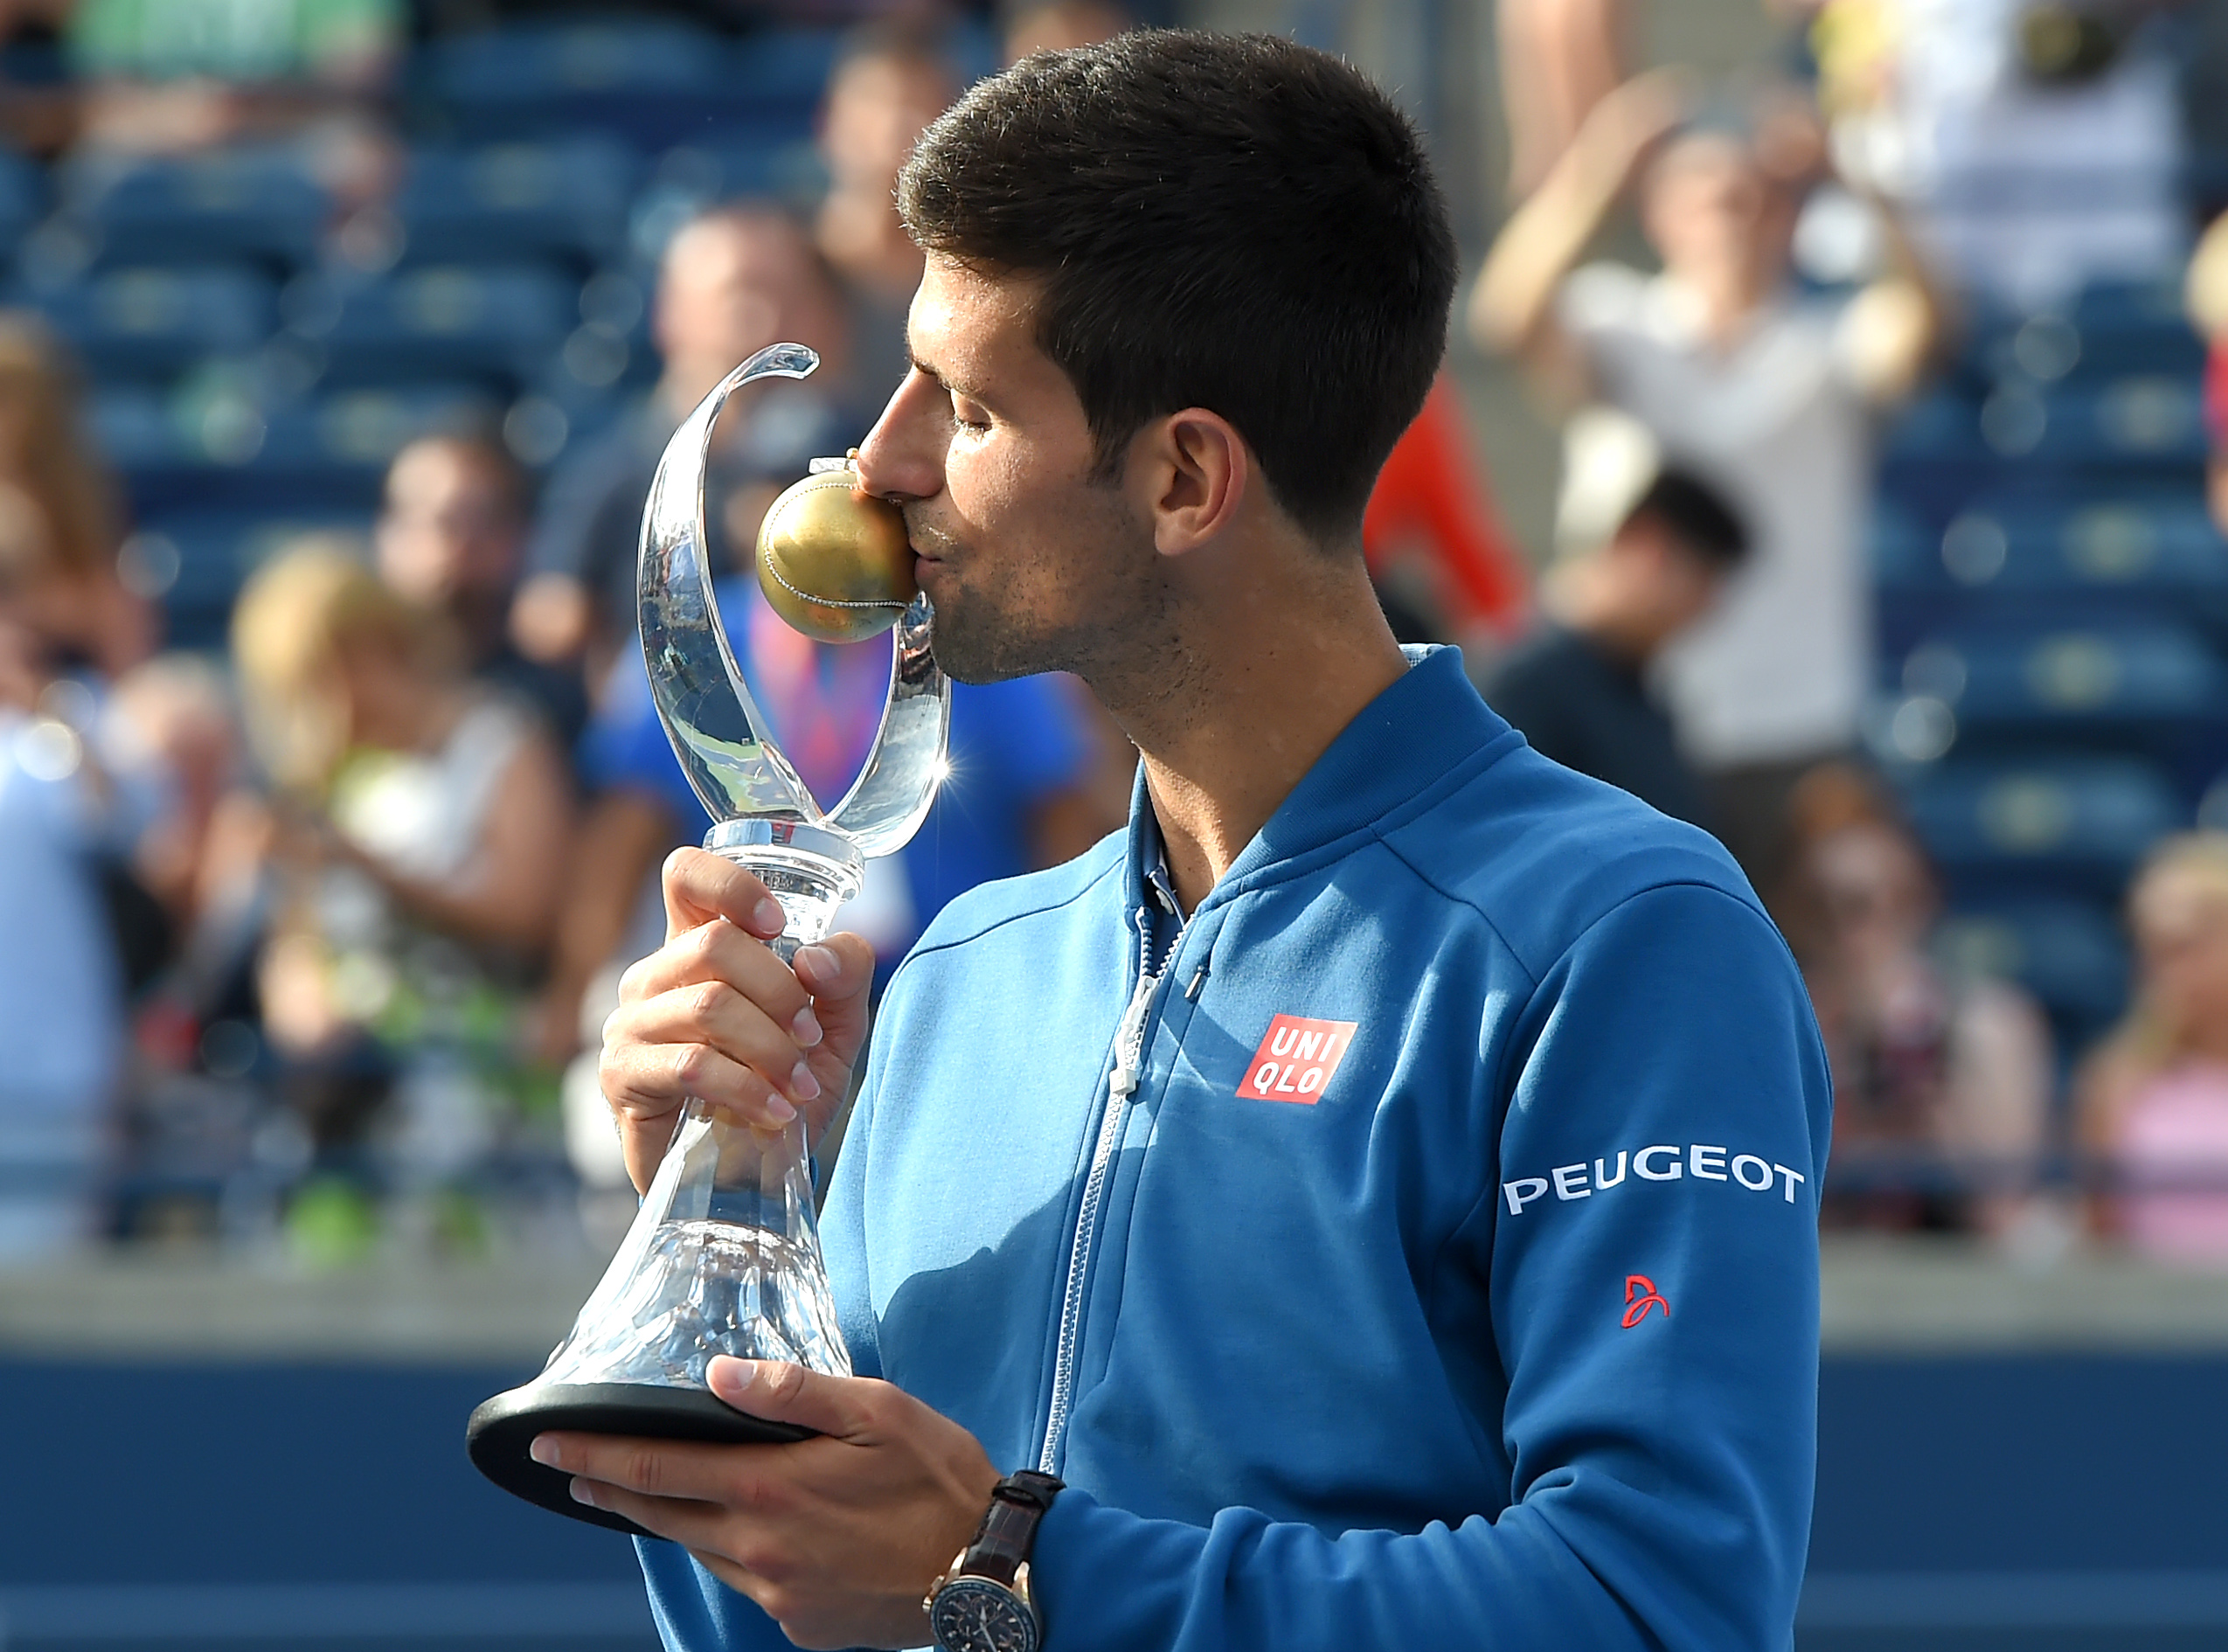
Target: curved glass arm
x,y
717,732
725,743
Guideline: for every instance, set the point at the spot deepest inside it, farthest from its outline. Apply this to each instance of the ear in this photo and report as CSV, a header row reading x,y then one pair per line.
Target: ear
x,y
1196,470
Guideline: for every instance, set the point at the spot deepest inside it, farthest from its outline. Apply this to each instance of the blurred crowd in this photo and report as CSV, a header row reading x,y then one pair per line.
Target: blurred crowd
x,y
309,920
1895,438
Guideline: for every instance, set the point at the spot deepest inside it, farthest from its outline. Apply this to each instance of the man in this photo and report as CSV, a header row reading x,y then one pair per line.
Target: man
x,y
1242,1172
1574,689
890,82
730,282
1735,374
451,535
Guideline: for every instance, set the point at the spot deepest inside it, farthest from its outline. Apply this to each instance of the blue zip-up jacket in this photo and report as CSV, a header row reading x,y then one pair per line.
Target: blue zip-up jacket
x,y
1449,1277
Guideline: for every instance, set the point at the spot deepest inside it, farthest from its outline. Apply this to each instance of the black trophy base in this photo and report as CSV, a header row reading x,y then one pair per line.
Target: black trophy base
x,y
502,1432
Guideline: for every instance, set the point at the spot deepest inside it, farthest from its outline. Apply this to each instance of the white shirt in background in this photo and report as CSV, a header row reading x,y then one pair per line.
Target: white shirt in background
x,y
1777,669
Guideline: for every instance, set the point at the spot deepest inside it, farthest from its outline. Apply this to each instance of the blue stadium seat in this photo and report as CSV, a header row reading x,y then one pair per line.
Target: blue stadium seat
x,y
2069,953
784,70
2112,674
2145,421
1904,549
213,552
2138,327
446,321
150,323
533,63
23,198
513,202
2067,823
358,431
2154,544
654,81
1942,425
251,203
131,425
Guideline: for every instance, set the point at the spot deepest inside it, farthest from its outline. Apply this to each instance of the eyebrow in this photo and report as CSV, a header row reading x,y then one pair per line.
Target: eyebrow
x,y
943,380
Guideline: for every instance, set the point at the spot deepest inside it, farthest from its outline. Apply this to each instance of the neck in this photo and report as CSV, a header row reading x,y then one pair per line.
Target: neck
x,y
1261,675
1732,290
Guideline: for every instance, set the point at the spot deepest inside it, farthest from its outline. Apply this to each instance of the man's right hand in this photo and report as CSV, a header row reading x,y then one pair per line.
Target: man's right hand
x,y
713,1014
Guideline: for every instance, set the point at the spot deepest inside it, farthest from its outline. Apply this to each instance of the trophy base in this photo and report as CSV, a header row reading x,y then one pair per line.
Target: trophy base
x,y
502,1432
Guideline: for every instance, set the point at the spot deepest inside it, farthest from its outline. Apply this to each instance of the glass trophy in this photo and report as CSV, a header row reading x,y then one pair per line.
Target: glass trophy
x,y
724,1256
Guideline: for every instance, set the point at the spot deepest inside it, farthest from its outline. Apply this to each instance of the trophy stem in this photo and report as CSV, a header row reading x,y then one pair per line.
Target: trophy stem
x,y
723,1257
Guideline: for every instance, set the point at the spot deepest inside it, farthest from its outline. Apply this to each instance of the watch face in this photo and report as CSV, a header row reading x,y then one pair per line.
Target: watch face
x,y
974,1615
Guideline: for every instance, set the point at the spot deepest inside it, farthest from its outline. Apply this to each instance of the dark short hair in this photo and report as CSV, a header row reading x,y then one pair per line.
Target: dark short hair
x,y
1224,221
1697,513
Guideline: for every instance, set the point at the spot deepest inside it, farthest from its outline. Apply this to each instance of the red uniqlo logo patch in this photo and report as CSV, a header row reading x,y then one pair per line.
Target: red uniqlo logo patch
x,y
1296,1059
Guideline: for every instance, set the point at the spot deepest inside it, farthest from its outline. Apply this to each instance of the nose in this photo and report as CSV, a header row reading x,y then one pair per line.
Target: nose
x,y
903,456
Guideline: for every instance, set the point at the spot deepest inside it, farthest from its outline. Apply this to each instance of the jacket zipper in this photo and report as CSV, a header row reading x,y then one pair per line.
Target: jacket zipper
x,y
1122,1086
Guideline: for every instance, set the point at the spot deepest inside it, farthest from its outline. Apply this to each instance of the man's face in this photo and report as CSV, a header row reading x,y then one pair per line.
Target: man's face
x,y
448,530
1665,586
877,108
1705,203
1034,565
730,287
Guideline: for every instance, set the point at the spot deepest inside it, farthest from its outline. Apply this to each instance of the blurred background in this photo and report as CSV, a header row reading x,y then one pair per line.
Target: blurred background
x,y
1827,452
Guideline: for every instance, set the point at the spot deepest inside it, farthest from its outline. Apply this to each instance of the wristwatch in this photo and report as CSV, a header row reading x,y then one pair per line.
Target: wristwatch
x,y
981,1604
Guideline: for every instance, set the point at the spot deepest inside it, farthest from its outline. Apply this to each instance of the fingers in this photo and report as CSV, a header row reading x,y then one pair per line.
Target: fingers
x,y
839,1407
838,972
663,1469
700,886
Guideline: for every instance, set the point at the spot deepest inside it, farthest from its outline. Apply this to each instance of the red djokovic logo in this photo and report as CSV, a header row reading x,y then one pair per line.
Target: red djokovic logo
x,y
1640,1296
1296,1059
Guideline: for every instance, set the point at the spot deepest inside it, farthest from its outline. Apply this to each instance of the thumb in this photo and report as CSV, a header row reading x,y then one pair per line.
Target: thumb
x,y
782,1392
837,972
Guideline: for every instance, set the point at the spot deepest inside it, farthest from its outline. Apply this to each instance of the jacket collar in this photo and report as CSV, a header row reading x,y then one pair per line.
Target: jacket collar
x,y
1401,742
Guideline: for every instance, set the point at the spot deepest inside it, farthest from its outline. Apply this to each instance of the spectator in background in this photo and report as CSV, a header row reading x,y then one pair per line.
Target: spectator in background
x,y
1056,25
172,720
1558,60
1941,1085
732,281
890,83
421,834
1732,372
1576,689
62,1003
44,455
2205,296
2154,1100
451,537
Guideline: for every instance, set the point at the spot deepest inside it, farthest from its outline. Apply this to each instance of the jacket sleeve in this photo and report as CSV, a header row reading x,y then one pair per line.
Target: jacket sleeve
x,y
1660,1459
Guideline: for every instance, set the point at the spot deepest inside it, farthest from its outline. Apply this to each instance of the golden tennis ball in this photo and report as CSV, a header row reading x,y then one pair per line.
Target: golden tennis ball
x,y
832,561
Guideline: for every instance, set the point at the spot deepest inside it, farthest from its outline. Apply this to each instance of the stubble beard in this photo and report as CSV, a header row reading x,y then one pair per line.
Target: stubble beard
x,y
985,633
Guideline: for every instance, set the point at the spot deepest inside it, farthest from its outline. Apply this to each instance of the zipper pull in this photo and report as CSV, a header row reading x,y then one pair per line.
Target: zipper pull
x,y
1124,1082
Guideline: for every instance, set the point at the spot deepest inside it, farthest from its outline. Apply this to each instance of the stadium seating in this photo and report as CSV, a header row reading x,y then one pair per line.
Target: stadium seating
x,y
2053,626
503,322
2068,953
654,82
2062,824
150,323
242,204
514,202
2109,676
196,560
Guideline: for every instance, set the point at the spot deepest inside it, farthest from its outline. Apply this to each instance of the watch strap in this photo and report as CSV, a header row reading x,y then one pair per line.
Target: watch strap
x,y
1008,1529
